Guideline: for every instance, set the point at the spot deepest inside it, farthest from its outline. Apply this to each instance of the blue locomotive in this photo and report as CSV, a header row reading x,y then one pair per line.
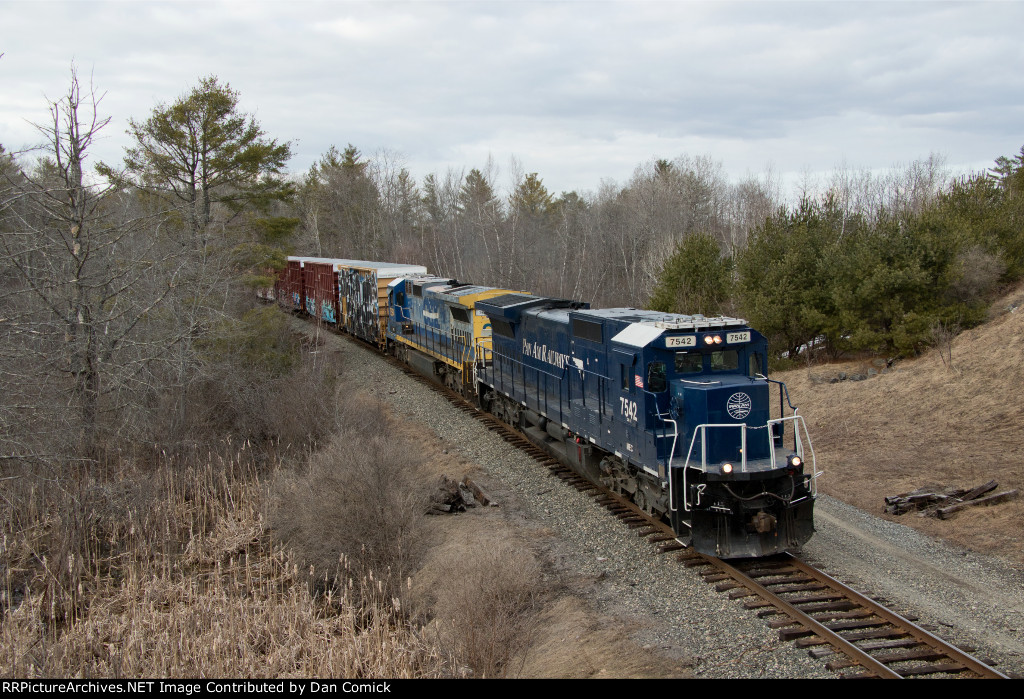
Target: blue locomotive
x,y
672,411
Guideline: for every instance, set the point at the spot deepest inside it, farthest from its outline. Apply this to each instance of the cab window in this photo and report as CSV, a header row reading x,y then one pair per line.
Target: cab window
x,y
725,360
656,378
689,362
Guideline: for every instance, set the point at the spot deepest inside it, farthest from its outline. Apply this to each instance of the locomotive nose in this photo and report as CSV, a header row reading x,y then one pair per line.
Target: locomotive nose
x,y
711,410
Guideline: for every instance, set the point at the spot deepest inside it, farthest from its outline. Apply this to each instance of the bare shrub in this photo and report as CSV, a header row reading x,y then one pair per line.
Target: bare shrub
x,y
360,416
942,336
290,410
362,497
978,274
486,612
301,409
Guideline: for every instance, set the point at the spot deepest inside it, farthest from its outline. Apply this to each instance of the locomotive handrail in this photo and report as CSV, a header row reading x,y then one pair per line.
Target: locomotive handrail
x,y
703,448
798,422
484,352
782,390
671,454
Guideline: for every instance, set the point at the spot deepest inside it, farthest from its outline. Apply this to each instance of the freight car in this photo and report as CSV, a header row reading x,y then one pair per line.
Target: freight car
x,y
670,411
351,294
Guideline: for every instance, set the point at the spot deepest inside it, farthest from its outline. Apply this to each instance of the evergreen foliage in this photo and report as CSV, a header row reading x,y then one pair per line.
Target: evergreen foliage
x,y
786,270
822,276
260,342
200,151
696,279
531,197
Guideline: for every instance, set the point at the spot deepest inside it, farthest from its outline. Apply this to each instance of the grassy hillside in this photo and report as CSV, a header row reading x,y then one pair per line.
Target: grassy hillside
x,y
957,422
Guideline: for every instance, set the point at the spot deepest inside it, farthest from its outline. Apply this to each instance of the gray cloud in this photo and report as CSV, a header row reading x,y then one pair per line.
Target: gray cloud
x,y
577,91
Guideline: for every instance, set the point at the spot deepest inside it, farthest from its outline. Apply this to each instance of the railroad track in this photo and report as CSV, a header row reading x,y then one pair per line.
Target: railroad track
x,y
860,637
863,637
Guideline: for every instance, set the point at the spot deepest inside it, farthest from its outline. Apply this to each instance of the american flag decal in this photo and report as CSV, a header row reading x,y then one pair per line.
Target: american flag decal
x,y
638,380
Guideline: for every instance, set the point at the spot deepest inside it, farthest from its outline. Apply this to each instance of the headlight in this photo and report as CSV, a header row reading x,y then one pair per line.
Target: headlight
x,y
727,468
794,461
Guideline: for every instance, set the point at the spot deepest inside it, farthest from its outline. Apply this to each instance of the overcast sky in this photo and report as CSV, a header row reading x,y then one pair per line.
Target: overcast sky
x,y
576,91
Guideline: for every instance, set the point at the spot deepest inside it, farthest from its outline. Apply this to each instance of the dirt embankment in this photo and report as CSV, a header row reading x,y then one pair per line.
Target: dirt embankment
x,y
948,418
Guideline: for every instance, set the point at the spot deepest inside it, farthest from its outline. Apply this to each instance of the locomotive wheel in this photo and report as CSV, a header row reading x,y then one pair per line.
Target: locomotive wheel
x,y
641,501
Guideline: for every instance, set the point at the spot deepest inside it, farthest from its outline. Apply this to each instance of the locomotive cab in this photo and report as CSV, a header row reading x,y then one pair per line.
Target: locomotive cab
x,y
740,487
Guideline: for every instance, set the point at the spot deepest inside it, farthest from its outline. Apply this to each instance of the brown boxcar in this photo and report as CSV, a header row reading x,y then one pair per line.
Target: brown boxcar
x,y
289,286
320,281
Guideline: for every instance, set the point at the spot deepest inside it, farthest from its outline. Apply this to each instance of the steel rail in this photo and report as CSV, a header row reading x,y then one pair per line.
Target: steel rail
x,y
912,629
859,656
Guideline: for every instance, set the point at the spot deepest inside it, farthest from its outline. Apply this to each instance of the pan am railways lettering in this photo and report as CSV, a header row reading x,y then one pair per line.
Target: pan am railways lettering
x,y
542,353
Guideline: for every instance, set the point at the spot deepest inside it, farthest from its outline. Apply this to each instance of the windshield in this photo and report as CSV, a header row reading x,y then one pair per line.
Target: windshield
x,y
694,362
725,360
689,362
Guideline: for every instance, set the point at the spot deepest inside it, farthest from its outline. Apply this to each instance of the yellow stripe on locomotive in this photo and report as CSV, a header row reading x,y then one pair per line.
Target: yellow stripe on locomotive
x,y
434,326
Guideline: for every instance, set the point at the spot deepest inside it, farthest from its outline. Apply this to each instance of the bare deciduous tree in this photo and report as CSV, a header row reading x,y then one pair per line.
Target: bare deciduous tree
x,y
80,282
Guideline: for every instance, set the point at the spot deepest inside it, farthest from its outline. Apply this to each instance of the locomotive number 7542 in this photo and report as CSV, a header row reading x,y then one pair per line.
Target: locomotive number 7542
x,y
628,409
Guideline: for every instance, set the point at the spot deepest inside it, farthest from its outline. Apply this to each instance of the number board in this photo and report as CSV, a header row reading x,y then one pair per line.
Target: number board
x,y
733,338
683,341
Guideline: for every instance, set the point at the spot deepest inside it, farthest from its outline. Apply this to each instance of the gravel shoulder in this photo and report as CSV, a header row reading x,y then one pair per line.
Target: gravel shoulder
x,y
615,598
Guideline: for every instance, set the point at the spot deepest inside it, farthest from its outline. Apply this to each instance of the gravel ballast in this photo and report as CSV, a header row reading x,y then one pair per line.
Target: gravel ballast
x,y
965,598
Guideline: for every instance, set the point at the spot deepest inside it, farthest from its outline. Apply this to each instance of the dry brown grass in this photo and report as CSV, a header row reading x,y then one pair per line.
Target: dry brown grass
x,y
249,617
484,596
571,643
929,422
172,573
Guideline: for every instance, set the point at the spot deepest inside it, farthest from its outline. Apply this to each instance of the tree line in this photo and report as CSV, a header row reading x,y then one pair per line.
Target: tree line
x,y
606,247
886,267
125,288
864,262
